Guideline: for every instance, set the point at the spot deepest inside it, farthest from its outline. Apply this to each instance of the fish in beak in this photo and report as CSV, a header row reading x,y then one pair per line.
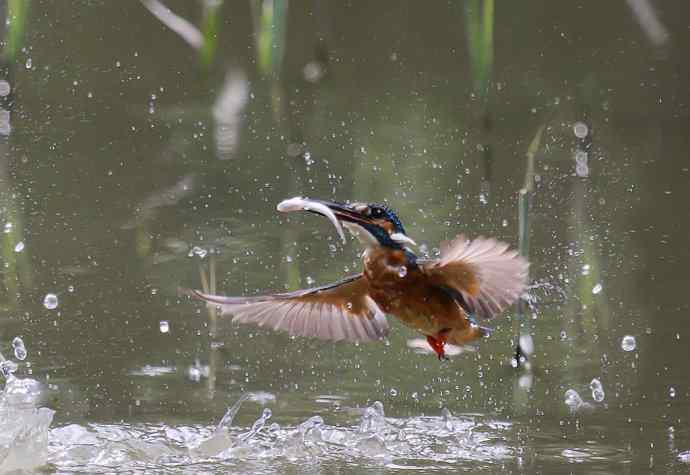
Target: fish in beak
x,y
372,224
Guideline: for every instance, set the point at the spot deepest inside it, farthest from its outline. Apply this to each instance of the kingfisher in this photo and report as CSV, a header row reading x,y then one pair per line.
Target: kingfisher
x,y
443,298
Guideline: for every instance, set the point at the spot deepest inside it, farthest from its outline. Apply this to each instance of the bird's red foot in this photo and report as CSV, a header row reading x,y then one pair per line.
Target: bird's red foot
x,y
437,345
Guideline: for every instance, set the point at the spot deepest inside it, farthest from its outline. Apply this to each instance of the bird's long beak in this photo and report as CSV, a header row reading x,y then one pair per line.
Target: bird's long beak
x,y
337,213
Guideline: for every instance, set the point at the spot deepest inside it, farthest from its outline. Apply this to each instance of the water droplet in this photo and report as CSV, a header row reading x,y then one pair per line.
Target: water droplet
x,y
288,258
194,373
402,271
5,88
332,248
671,392
597,390
349,305
310,280
585,269
19,247
597,288
19,348
628,343
50,301
164,326
29,63
393,392
580,130
8,227
7,368
525,381
307,159
504,223
197,251
564,335
70,288
526,343
581,158
582,170
573,399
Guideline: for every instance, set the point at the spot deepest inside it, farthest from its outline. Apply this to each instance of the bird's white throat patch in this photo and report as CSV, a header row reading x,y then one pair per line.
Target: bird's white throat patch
x,y
363,236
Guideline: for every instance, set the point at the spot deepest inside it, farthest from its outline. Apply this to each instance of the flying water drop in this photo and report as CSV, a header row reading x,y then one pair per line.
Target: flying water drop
x,y
580,130
8,368
573,400
50,301
597,288
597,390
19,348
197,251
19,247
164,326
402,271
628,343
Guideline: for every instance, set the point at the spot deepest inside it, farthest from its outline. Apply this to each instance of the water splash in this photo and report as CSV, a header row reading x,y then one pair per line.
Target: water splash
x,y
373,419
197,251
412,443
573,400
23,425
597,390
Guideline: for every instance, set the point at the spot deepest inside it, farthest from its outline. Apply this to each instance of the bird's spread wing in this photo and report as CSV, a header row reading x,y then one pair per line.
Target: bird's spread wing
x,y
484,275
340,311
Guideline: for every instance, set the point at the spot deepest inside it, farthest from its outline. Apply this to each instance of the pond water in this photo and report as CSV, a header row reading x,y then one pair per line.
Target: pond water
x,y
145,149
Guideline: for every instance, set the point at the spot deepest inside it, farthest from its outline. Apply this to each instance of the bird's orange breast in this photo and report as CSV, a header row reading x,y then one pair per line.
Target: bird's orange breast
x,y
401,289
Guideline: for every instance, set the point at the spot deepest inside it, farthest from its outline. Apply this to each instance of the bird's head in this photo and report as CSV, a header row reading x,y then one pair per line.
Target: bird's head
x,y
372,224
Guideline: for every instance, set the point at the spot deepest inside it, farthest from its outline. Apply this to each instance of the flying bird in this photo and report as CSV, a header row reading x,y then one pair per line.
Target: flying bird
x,y
445,298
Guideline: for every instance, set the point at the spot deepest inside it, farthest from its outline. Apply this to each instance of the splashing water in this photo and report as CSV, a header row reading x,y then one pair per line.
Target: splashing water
x,y
23,425
573,400
19,348
197,251
8,368
597,390
416,442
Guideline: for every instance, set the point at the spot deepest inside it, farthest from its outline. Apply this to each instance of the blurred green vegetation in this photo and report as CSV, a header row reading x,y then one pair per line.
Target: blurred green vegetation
x,y
17,16
209,31
479,27
270,26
